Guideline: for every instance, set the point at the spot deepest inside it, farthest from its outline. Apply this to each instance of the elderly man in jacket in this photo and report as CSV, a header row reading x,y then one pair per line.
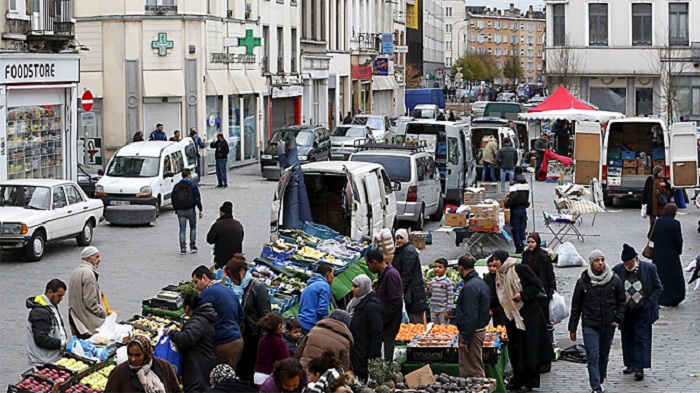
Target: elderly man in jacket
x,y
407,263
507,159
226,234
86,310
473,315
46,334
540,146
642,290
489,157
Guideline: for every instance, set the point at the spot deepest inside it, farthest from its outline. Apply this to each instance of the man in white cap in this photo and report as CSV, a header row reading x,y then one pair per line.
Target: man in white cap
x,y
86,310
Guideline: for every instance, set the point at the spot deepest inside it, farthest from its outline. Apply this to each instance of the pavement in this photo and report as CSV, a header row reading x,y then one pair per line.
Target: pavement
x,y
137,261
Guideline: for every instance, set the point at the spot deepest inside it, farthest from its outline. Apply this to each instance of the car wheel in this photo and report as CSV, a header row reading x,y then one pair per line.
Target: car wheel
x,y
85,237
437,216
34,250
418,225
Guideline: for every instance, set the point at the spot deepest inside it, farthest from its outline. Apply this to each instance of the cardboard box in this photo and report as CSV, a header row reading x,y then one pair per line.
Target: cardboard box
x,y
660,163
388,259
644,170
629,163
427,235
320,215
455,220
490,188
471,198
502,203
335,216
628,155
506,214
485,211
629,171
423,376
417,241
641,162
334,199
489,225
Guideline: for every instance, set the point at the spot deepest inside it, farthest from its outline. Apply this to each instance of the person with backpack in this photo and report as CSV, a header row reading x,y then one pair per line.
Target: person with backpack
x,y
185,198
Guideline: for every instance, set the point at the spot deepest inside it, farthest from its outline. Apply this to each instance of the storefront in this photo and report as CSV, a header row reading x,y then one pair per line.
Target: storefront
x,y
384,89
38,108
285,108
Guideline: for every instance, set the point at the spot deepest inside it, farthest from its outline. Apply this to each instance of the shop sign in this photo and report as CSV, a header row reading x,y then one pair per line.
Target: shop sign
x,y
237,58
381,67
249,42
361,72
93,151
388,43
401,49
162,44
398,74
87,119
287,91
38,70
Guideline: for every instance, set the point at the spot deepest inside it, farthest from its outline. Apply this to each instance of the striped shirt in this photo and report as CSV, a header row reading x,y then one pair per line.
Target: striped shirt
x,y
441,294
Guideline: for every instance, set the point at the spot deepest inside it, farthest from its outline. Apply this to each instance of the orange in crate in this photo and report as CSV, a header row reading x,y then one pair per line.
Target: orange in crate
x,y
408,331
444,329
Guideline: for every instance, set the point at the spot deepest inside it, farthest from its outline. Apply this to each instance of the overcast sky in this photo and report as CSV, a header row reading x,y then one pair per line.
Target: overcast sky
x,y
522,4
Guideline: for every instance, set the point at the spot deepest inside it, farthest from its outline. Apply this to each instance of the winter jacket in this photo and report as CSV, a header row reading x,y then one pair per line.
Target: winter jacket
x,y
291,343
269,386
366,329
328,333
389,292
597,306
229,312
519,195
271,349
226,234
237,386
257,304
45,330
490,152
540,146
473,307
85,305
651,284
220,149
507,157
158,136
407,262
314,302
124,380
196,343
195,191
545,272
653,207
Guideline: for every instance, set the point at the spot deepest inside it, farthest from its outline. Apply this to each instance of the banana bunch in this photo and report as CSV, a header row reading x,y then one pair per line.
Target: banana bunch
x,y
309,252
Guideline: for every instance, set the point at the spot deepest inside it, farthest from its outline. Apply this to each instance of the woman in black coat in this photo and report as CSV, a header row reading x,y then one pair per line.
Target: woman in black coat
x,y
655,184
407,262
365,325
541,263
668,246
196,342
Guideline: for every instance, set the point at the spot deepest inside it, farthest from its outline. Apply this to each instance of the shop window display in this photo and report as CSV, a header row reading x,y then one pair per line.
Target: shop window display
x,y
250,144
35,142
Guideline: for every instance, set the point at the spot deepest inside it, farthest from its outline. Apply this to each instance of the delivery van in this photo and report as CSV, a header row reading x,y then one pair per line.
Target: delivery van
x,y
624,156
354,198
483,129
144,173
449,142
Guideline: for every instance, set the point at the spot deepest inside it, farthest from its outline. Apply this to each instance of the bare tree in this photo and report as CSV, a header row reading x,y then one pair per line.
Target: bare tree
x,y
669,62
564,64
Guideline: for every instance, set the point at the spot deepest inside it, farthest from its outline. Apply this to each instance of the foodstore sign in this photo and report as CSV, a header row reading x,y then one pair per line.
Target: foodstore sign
x,y
39,70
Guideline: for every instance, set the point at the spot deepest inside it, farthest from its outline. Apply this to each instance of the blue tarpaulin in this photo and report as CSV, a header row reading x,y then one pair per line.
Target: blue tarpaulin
x,y
297,208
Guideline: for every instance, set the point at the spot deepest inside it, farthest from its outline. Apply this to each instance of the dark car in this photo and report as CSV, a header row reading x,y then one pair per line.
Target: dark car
x,y
313,144
87,181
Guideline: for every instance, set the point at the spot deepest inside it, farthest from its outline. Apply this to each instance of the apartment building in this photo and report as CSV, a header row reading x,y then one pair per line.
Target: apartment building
x,y
456,25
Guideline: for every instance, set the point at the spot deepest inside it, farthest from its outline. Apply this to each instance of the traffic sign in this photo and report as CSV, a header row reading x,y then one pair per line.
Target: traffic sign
x,y
86,100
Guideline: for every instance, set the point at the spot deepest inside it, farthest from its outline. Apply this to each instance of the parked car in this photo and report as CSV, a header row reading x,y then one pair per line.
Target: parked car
x,y
533,102
416,181
313,144
36,211
426,111
144,173
88,181
379,124
504,110
478,108
345,137
506,97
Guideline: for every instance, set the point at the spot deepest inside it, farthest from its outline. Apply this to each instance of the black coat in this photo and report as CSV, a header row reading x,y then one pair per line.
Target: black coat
x,y
668,247
226,234
507,157
221,149
498,316
519,196
256,301
407,262
233,386
366,328
473,306
545,271
651,285
597,306
196,341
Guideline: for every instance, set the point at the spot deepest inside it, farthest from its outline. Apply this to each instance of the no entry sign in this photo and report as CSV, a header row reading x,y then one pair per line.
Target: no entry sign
x,y
86,100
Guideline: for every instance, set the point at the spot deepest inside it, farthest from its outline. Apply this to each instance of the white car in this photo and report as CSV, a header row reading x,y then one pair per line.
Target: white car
x,y
36,211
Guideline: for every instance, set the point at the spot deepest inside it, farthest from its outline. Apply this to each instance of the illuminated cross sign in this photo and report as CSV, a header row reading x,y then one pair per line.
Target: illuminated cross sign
x,y
249,42
162,44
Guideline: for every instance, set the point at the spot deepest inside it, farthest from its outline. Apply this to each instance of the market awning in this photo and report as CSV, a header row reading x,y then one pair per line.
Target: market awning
x,y
219,83
91,81
572,115
384,83
242,82
258,81
562,99
163,84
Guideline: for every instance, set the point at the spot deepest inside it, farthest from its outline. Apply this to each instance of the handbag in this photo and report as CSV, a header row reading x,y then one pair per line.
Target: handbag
x,y
661,199
648,252
242,326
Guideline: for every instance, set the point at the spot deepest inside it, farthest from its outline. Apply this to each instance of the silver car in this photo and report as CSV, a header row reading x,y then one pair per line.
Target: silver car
x,y
345,137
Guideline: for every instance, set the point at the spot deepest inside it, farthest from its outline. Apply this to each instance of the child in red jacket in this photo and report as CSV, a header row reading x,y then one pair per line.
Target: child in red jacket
x,y
271,348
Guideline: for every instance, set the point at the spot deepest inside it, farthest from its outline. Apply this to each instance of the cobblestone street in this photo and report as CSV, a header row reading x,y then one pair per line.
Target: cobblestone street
x,y
136,262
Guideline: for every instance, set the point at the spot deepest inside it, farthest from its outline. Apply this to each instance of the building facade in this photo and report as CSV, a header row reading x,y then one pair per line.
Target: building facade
x,y
456,25
638,58
434,42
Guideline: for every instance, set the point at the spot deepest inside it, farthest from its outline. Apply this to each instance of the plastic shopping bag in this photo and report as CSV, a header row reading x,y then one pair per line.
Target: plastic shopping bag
x,y
404,315
568,256
644,211
166,350
557,309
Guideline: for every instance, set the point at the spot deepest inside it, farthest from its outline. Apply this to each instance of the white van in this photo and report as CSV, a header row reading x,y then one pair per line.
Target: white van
x,y
354,198
144,173
608,155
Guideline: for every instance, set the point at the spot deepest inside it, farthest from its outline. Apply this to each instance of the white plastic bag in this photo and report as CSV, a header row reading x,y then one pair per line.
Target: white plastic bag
x,y
109,326
557,309
122,356
567,256
644,211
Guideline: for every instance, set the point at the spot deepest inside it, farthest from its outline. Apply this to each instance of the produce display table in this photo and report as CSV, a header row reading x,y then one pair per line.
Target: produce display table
x,y
342,283
161,312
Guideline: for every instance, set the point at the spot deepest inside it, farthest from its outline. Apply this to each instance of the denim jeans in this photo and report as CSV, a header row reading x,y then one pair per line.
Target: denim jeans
x,y
221,176
199,168
597,342
184,216
518,221
511,177
492,171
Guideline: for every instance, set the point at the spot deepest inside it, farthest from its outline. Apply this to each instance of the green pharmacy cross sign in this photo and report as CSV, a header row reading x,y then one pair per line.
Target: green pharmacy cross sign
x,y
162,44
249,42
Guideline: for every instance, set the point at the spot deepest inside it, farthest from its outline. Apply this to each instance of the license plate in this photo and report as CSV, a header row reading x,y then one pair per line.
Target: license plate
x,y
119,203
266,157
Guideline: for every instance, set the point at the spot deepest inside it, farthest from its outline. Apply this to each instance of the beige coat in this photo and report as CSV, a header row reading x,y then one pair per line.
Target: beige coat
x,y
85,306
327,334
490,152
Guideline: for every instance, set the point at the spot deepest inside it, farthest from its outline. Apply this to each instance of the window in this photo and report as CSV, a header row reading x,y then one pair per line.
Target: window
x,y
497,38
530,40
530,66
73,194
598,24
481,39
266,44
178,162
488,24
559,24
514,26
448,45
695,101
448,28
497,24
489,38
539,27
522,39
481,51
505,37
644,101
522,26
539,40
522,52
539,66
641,24
530,27
530,53
539,53
480,24
498,64
609,99
488,51
448,11
498,52
453,150
280,49
678,24
294,50
167,165
59,198
448,61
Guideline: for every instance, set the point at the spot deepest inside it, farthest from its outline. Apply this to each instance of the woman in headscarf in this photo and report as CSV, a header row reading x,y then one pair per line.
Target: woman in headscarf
x,y
142,372
331,332
541,263
667,236
365,326
224,380
655,194
529,346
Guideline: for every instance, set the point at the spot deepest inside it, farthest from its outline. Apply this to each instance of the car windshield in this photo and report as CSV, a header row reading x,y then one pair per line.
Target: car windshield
x,y
398,168
25,196
423,113
481,104
122,166
303,138
374,123
350,132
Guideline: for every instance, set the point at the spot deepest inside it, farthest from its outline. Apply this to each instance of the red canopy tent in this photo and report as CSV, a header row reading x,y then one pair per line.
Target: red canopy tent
x,y
562,99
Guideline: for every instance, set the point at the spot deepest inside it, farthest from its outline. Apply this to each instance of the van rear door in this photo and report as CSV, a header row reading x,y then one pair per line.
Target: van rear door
x,y
277,212
359,221
683,155
587,152
374,199
388,198
455,173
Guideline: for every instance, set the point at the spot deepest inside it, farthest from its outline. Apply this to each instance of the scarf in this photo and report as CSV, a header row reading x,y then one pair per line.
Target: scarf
x,y
365,284
149,380
508,285
601,280
239,290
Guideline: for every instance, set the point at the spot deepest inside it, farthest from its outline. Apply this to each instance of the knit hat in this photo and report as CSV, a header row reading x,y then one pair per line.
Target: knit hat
x,y
342,316
595,254
221,373
226,208
88,252
403,233
628,252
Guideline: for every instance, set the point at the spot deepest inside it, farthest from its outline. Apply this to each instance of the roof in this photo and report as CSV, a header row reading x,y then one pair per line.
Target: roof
x,y
36,182
339,167
561,99
389,152
145,149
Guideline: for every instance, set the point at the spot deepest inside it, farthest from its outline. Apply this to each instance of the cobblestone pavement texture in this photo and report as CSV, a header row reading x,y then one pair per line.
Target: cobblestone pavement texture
x,y
138,261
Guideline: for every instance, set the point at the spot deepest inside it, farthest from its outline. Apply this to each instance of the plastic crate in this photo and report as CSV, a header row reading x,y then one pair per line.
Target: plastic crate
x,y
17,389
268,253
320,231
89,362
34,371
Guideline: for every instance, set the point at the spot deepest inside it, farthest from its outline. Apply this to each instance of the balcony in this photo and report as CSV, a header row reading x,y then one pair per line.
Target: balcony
x,y
51,25
161,7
